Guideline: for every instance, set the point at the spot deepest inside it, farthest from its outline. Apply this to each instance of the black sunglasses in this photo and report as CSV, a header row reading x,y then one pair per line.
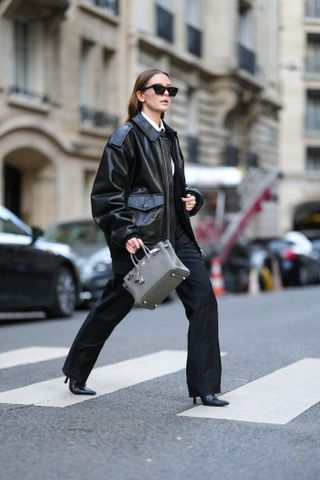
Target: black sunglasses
x,y
160,89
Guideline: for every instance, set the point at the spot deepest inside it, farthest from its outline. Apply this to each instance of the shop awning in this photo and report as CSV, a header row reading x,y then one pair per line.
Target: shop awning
x,y
205,177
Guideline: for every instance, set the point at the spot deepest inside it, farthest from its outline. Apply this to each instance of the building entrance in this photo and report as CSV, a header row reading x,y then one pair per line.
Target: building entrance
x,y
12,189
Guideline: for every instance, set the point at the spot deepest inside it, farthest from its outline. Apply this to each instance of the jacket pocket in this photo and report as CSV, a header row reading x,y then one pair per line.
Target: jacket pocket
x,y
147,214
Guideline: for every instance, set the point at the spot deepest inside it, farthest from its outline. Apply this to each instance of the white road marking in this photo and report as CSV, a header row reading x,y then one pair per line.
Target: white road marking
x,y
107,379
276,398
23,356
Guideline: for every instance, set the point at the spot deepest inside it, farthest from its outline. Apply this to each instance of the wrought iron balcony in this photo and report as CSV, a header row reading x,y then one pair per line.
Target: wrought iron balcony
x,y
247,59
164,23
28,94
194,40
35,9
111,6
193,149
98,118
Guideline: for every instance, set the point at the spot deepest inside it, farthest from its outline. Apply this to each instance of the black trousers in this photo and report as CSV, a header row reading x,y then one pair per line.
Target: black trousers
x,y
203,362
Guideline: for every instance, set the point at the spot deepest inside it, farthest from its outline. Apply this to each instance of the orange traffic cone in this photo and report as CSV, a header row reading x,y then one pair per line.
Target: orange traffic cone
x,y
217,277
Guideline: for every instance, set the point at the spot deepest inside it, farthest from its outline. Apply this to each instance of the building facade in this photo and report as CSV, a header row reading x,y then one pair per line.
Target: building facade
x,y
68,69
299,195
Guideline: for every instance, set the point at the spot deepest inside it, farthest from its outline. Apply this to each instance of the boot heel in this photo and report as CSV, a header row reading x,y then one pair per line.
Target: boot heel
x,y
66,380
194,400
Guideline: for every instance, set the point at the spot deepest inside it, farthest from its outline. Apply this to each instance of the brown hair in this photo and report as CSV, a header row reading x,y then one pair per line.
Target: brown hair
x,y
134,105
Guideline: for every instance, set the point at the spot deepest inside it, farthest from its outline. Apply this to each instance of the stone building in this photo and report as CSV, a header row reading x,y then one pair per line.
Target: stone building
x,y
68,69
299,193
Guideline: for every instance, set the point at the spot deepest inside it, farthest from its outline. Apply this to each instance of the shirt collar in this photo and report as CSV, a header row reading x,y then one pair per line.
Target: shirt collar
x,y
148,129
159,129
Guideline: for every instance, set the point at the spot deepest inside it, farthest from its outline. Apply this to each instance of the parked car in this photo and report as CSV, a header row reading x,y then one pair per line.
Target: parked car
x,y
35,274
92,255
298,261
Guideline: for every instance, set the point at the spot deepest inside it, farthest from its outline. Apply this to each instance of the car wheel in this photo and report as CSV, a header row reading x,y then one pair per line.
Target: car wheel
x,y
65,294
303,276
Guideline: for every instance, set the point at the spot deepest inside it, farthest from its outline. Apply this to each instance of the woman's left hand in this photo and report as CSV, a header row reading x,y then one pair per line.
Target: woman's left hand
x,y
190,201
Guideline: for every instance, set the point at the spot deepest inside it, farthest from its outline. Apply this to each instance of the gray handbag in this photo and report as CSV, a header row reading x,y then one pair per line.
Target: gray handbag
x,y
156,275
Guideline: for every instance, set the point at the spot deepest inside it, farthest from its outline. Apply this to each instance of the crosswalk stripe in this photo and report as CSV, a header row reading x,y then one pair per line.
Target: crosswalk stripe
x,y
107,379
276,398
24,356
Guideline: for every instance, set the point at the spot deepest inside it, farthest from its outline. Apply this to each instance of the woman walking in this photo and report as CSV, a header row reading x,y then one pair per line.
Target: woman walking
x,y
140,197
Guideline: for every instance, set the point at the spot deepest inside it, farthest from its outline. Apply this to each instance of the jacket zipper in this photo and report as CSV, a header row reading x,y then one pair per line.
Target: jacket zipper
x,y
167,183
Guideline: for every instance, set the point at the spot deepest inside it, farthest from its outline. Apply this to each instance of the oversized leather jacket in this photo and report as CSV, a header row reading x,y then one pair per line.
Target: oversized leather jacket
x,y
134,193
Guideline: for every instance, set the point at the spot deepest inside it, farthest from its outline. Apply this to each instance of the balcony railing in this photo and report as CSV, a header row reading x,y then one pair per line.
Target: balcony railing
x,y
194,40
247,59
111,6
312,8
164,23
28,94
193,149
98,118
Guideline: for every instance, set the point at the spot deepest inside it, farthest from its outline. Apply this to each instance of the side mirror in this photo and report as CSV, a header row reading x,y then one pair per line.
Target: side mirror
x,y
36,233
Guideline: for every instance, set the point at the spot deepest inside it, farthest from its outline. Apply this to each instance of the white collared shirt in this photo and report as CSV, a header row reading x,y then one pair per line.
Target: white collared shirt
x,y
159,129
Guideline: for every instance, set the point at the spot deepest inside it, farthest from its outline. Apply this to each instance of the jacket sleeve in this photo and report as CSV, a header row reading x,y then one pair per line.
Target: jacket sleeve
x,y
109,195
198,197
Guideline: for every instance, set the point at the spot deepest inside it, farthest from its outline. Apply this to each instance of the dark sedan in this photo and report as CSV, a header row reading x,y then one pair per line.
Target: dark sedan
x,y
299,262
34,274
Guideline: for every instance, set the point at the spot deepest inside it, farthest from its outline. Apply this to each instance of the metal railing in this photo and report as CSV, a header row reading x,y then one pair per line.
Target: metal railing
x,y
164,23
28,94
98,118
112,6
194,40
247,59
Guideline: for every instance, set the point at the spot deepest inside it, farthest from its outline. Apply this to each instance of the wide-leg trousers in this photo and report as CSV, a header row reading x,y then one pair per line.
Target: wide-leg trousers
x,y
203,360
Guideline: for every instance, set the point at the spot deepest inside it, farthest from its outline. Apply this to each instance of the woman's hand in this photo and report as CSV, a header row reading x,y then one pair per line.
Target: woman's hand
x,y
190,201
133,244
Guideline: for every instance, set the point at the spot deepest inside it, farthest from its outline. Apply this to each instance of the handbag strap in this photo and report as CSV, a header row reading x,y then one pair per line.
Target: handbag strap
x,y
136,263
135,259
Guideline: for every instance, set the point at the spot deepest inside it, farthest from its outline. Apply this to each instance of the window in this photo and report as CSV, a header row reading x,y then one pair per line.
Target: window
x,y
87,69
164,23
313,110
313,54
247,60
111,6
192,126
194,40
313,159
28,59
312,8
193,32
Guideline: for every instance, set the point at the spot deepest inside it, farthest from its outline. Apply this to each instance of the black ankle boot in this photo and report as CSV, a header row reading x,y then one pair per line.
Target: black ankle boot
x,y
211,400
79,388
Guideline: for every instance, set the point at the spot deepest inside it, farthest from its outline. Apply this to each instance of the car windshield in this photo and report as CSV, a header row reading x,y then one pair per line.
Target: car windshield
x,y
84,233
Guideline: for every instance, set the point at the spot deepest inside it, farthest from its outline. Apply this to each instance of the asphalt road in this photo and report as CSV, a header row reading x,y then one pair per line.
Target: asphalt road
x,y
135,433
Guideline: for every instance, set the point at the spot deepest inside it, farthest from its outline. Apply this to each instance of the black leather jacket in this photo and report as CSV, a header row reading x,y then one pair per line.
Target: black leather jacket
x,y
134,194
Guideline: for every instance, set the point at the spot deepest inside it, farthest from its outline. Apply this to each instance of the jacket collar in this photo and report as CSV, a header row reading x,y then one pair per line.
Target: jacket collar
x,y
148,129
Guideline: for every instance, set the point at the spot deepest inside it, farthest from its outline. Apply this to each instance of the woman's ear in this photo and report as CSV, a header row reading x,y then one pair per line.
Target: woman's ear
x,y
140,96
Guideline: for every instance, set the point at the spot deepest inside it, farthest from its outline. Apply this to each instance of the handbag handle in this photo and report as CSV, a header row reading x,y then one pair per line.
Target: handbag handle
x,y
136,263
134,257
